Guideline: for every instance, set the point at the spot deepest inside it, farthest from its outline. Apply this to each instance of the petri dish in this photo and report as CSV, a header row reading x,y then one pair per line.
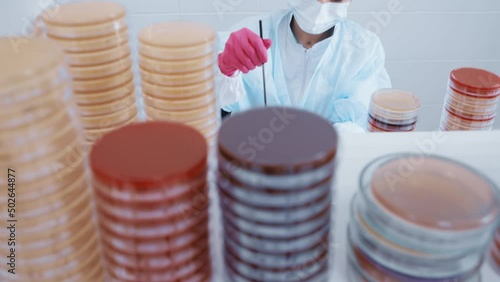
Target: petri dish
x,y
273,215
173,151
177,67
268,259
107,108
277,246
175,53
93,44
84,19
179,92
103,84
106,96
93,135
48,245
98,57
378,125
177,34
304,272
187,115
161,194
287,129
475,105
450,117
475,82
43,149
27,135
148,231
177,209
109,120
269,197
99,71
20,65
180,105
53,203
161,261
270,231
394,106
132,246
457,197
122,273
470,115
178,79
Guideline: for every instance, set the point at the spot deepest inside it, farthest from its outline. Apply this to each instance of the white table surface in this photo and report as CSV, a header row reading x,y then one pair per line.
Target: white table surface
x,y
477,149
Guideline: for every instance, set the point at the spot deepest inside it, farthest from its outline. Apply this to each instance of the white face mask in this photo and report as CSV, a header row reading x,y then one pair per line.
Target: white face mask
x,y
314,17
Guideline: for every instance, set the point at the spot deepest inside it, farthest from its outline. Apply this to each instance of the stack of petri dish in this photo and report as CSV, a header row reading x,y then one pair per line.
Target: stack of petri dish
x,y
47,201
150,186
471,100
433,224
95,38
177,65
275,185
495,250
393,110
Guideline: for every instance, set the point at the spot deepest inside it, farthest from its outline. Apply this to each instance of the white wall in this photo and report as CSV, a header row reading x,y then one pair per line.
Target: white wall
x,y
424,41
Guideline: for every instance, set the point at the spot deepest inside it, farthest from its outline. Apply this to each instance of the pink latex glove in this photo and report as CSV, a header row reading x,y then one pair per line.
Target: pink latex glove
x,y
244,51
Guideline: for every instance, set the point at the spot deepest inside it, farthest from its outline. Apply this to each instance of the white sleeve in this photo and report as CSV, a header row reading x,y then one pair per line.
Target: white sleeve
x,y
229,89
349,127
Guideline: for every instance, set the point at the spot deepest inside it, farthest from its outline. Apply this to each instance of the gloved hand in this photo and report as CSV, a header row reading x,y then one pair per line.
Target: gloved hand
x,y
244,51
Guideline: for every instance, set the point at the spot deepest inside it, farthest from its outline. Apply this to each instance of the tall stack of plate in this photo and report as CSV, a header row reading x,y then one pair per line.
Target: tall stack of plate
x,y
275,184
95,38
177,65
471,100
47,203
150,181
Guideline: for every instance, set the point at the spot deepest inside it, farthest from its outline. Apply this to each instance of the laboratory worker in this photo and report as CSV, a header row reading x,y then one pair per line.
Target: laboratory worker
x,y
314,58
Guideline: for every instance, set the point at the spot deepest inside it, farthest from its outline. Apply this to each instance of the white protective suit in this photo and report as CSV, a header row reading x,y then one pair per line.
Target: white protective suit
x,y
335,78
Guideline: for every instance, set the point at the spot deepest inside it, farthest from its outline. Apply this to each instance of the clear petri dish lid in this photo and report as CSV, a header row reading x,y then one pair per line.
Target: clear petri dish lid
x,y
151,154
93,44
475,82
307,147
439,198
181,79
25,61
178,92
394,106
177,35
174,53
